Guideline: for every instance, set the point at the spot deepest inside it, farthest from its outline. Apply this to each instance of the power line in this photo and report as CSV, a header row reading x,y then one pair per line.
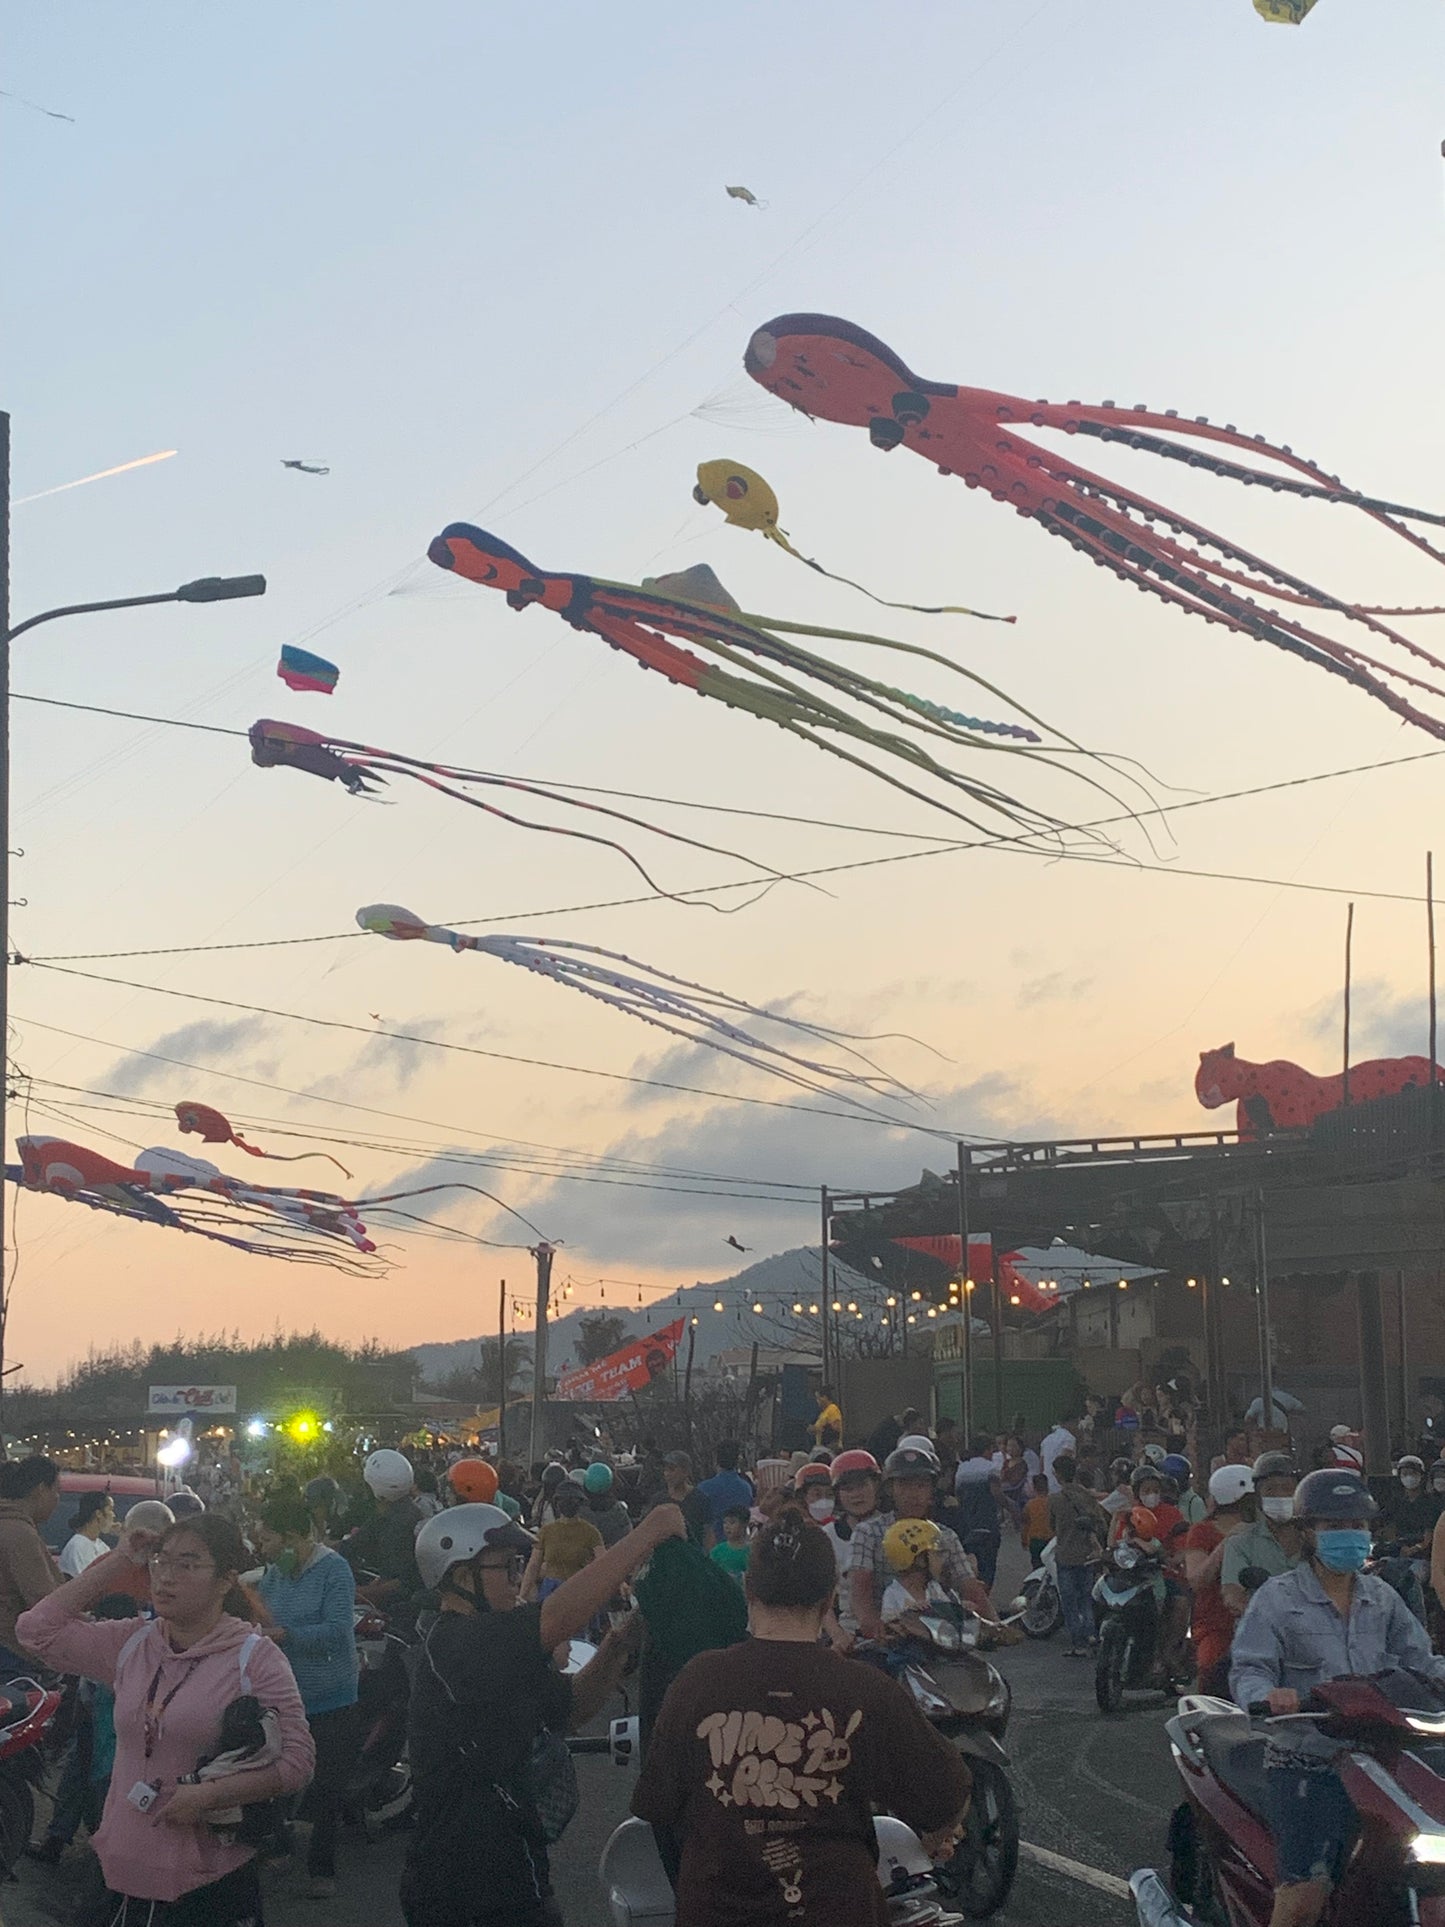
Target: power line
x,y
858,1116
1002,845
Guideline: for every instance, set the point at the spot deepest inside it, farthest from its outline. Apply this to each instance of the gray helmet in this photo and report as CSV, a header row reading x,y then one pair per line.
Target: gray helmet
x,y
1275,1465
1146,1474
915,1455
1334,1492
465,1532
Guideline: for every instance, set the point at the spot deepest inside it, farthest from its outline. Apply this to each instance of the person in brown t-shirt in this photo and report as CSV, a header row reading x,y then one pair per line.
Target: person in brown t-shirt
x,y
769,1758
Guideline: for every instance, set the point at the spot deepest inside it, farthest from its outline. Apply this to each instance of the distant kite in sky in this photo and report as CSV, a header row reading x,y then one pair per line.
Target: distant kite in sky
x,y
831,370
745,194
181,1193
640,622
1287,13
302,671
689,1011
748,502
362,769
212,1128
305,468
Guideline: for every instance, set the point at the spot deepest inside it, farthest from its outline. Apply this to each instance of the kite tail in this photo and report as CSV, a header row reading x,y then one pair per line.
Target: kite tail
x,y
917,608
296,1157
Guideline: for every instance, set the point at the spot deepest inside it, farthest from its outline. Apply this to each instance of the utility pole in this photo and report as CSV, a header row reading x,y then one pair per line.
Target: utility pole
x,y
827,1280
1261,1286
1349,948
967,1412
544,1254
502,1374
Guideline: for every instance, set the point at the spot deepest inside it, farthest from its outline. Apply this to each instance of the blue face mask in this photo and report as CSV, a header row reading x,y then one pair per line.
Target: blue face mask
x,y
1343,1548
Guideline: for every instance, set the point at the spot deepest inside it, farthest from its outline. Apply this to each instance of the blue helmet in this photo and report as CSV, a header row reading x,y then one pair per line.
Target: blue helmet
x,y
1178,1467
1334,1492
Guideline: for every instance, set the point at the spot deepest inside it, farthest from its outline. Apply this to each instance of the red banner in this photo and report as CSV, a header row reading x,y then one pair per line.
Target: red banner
x,y
628,1369
1015,1289
945,1250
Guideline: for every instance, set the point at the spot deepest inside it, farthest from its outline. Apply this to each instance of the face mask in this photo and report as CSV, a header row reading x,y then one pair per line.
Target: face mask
x,y
1409,1480
1342,1548
1151,1501
1277,1508
820,1508
286,1562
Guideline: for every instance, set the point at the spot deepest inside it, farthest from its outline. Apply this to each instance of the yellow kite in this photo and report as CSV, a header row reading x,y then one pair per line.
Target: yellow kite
x,y
748,502
1286,13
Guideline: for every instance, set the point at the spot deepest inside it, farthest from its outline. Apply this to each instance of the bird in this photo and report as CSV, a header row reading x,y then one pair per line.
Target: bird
x,y
306,468
735,1245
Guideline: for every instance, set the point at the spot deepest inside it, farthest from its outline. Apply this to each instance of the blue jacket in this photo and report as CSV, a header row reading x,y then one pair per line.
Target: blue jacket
x,y
1293,1635
726,1489
317,1609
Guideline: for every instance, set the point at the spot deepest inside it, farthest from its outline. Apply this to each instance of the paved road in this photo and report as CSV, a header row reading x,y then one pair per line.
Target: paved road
x,y
1091,1791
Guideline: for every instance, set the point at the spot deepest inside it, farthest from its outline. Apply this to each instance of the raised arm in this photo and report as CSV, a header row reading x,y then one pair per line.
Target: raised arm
x,y
56,1630
577,1600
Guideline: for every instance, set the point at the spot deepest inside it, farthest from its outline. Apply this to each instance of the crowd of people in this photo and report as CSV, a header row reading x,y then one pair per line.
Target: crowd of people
x,y
214,1646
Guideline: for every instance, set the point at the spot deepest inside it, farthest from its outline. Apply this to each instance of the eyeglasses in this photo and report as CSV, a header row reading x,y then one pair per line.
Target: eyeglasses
x,y
513,1566
163,1563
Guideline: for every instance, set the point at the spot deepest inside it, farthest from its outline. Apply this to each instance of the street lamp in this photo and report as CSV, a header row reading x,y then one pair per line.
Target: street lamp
x,y
207,588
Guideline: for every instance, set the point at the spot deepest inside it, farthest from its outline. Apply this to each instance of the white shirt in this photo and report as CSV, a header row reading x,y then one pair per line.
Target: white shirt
x,y
1283,1404
1058,1441
898,1601
79,1553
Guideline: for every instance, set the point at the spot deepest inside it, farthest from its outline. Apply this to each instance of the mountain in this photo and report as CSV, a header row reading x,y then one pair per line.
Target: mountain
x,y
777,1283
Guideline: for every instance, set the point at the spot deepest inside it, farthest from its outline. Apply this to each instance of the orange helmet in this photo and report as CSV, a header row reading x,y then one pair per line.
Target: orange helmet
x,y
474,1481
849,1465
818,1475
1143,1523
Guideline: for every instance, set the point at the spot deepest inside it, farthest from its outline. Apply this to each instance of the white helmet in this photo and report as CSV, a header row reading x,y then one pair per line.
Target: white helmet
x,y
1230,1484
389,1474
455,1537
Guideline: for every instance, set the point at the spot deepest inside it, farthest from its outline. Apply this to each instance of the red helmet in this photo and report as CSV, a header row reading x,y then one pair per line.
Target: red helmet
x,y
848,1465
819,1475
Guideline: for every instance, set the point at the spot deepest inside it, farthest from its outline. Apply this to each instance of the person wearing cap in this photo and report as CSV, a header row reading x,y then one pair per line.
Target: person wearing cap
x,y
911,1471
1284,1407
1345,1448
1231,1501
680,1491
485,1689
1326,1620
1271,1543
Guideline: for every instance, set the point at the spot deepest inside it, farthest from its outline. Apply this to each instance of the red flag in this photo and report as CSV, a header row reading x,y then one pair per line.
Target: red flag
x,y
1017,1290
628,1369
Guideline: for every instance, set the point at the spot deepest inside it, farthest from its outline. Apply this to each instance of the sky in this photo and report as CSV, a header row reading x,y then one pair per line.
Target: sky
x,y
481,264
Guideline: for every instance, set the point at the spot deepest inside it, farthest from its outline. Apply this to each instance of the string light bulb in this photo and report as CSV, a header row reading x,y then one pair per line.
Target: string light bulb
x,y
890,1301
717,1304
757,1304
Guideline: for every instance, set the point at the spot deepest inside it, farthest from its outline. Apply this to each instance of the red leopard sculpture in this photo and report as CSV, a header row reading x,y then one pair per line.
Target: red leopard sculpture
x,y
1281,1096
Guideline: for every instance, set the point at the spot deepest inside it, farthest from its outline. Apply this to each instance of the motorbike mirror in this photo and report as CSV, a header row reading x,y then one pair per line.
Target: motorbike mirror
x,y
623,1738
579,1654
944,1634
1252,1578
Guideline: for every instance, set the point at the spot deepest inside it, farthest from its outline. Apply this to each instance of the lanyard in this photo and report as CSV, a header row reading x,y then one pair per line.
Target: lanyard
x,y
153,1714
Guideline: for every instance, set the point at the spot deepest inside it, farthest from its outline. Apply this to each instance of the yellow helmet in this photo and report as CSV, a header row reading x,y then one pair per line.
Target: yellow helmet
x,y
906,1539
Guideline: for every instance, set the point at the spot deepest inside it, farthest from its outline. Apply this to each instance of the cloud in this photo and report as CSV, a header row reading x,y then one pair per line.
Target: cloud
x,y
383,1062
206,1043
680,1222
1056,988
1384,1022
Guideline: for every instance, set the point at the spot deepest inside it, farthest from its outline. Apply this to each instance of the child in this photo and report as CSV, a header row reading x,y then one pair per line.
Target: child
x,y
731,1551
565,1545
1034,1527
911,1548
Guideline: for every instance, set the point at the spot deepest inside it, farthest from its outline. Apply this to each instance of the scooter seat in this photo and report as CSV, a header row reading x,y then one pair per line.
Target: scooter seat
x,y
1236,1757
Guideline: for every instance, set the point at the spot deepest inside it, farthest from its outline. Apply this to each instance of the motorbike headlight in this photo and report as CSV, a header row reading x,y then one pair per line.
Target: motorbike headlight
x,y
1432,1724
996,1706
1428,1849
1126,1556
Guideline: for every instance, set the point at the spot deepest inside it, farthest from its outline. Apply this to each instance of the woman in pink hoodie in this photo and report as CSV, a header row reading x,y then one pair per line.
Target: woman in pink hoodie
x,y
173,1678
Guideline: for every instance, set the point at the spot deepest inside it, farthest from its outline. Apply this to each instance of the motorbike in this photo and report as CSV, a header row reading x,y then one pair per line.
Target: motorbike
x,y
970,1707
639,1893
1038,1610
26,1711
1388,1740
1131,1624
378,1792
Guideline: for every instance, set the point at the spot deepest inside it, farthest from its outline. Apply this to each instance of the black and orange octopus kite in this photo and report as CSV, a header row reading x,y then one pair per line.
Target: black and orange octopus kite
x,y
831,370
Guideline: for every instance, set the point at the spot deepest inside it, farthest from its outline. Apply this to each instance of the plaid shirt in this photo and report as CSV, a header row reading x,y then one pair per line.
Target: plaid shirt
x,y
868,1556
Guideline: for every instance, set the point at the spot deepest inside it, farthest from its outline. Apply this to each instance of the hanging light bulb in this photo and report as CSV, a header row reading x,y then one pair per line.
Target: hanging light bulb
x,y
932,1311
757,1304
851,1306
797,1308
717,1304
837,1305
913,1318
694,1321
890,1301
814,1310
917,1296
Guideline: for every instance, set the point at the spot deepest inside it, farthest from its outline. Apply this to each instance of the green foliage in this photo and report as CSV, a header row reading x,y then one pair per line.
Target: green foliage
x,y
479,1383
599,1333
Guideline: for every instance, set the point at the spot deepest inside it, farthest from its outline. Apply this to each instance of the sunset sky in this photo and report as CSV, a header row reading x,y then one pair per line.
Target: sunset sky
x,y
481,263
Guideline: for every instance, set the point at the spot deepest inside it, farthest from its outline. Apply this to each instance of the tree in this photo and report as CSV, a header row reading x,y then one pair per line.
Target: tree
x,y
599,1333
480,1383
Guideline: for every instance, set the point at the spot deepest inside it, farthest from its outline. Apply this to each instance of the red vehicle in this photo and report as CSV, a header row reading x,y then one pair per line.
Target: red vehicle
x,y
26,1710
1388,1739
